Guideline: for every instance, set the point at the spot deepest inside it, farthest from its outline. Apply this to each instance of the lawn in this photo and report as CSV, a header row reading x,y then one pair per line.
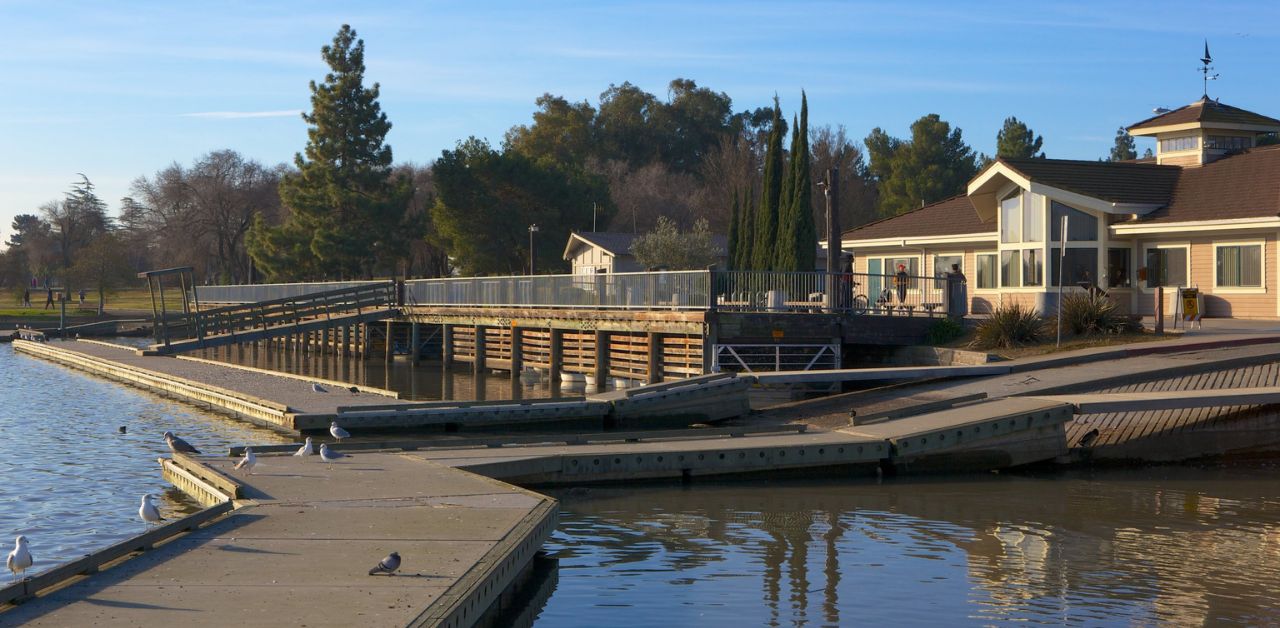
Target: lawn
x,y
130,302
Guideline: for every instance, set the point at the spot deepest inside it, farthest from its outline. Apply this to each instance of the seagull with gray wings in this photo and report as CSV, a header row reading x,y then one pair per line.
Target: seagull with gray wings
x,y
179,446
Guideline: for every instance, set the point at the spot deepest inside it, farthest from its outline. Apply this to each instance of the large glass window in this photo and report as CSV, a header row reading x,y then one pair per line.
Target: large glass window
x,y
1167,267
1032,219
1118,270
1079,267
1240,266
1011,219
942,266
986,271
1010,269
1081,227
1032,267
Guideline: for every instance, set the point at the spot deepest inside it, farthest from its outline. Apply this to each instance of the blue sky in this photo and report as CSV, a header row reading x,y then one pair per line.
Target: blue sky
x,y
122,89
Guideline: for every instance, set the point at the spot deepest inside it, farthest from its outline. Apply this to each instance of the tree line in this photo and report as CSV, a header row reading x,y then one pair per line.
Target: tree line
x,y
632,162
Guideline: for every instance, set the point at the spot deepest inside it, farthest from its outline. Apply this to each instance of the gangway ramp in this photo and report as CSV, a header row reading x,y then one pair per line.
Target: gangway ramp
x,y
274,318
1107,403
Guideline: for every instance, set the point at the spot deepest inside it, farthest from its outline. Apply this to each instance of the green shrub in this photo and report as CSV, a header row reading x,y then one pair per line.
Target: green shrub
x,y
943,331
1008,327
1086,314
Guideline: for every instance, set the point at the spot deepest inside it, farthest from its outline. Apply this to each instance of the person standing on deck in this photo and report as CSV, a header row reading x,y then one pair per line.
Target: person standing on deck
x,y
900,282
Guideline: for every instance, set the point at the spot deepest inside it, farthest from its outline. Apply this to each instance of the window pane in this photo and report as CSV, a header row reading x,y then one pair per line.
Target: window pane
x,y
1032,268
986,271
875,279
1010,220
942,266
1032,219
1170,266
1080,269
1010,265
1118,275
1240,266
1081,227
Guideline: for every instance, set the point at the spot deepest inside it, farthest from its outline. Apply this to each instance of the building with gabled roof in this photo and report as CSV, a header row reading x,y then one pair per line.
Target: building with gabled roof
x,y
1205,213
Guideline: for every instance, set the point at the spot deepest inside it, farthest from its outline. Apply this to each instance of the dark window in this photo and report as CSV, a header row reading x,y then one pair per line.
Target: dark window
x,y
1167,267
1118,273
1227,142
1240,266
1081,227
1080,267
986,271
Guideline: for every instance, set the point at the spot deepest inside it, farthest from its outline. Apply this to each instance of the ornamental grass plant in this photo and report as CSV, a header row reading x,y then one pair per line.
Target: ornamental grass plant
x,y
1010,326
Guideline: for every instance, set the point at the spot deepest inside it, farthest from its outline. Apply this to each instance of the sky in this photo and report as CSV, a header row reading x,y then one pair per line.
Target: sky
x,y
123,89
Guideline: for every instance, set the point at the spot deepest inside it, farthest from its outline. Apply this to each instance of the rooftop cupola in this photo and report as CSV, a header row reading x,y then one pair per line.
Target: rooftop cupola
x,y
1203,131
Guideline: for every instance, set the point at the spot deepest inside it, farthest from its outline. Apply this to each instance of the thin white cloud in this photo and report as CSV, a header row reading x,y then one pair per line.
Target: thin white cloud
x,y
239,115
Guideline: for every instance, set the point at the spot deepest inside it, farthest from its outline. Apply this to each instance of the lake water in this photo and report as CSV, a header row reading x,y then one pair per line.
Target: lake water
x,y
1167,545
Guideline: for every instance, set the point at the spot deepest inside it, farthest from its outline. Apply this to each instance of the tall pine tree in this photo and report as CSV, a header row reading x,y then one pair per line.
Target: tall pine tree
x,y
346,208
766,220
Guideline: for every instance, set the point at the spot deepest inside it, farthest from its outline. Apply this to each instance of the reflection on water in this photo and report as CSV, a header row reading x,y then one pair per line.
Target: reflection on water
x,y
68,479
1167,546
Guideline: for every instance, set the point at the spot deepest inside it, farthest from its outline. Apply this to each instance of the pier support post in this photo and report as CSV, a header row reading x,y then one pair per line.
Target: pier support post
x,y
387,353
602,359
654,374
709,349
517,353
446,346
555,357
414,340
477,364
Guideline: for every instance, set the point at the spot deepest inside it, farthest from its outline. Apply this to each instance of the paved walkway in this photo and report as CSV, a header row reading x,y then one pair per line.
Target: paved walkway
x,y
297,553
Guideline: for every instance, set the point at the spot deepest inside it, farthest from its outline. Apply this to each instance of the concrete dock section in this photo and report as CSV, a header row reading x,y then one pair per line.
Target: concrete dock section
x,y
298,548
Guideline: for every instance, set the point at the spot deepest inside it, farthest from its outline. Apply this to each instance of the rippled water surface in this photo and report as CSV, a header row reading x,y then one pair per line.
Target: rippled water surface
x,y
1170,546
69,480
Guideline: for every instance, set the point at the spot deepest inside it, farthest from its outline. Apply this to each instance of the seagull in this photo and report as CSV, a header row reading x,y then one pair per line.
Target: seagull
x,y
20,558
248,461
148,511
1088,438
388,565
338,432
329,455
355,390
305,449
179,446
318,388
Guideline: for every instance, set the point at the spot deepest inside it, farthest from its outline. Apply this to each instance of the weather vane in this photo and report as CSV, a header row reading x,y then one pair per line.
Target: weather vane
x,y
1206,68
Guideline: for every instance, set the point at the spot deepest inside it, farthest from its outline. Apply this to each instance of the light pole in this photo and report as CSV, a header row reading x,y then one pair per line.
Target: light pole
x,y
532,230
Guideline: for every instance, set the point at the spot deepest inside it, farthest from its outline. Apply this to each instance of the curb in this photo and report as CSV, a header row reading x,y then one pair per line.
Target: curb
x,y
1133,352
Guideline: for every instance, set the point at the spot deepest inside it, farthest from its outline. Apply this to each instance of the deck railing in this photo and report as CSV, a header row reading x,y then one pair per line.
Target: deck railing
x,y
742,291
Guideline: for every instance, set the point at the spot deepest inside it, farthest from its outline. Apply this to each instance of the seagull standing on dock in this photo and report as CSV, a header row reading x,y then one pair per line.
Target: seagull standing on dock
x,y
305,449
388,565
20,558
248,462
329,455
179,446
338,432
355,390
148,511
318,388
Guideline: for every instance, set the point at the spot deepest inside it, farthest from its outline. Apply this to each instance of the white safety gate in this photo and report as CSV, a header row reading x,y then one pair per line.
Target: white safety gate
x,y
757,358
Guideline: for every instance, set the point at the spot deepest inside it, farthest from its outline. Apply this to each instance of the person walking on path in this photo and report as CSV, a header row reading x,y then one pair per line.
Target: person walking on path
x,y
82,297
48,297
957,292
26,297
900,282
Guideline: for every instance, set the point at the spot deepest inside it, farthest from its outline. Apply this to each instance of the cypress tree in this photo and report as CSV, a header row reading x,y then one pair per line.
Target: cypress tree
x,y
784,254
805,233
766,222
746,233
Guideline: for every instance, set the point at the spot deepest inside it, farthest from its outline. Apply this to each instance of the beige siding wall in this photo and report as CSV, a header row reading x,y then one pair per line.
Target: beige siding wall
x,y
1219,302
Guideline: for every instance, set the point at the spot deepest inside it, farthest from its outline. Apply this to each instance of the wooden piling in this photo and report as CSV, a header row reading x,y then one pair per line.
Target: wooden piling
x,y
415,340
517,353
446,345
602,359
654,371
477,364
555,357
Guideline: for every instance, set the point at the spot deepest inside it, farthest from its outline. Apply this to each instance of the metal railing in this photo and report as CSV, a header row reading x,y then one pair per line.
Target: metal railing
x,y
270,291
678,290
740,291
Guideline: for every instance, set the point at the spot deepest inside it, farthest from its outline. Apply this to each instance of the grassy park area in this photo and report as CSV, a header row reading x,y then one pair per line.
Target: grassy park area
x,y
124,303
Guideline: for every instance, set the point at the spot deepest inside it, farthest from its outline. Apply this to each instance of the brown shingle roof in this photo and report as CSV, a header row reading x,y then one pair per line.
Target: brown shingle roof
x,y
1206,111
952,216
1244,185
1111,181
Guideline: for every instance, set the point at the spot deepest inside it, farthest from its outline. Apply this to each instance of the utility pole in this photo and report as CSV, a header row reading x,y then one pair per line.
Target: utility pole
x,y
832,192
532,230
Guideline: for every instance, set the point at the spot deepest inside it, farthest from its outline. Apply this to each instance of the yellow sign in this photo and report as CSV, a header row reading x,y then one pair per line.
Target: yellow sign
x,y
777,334
1190,304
